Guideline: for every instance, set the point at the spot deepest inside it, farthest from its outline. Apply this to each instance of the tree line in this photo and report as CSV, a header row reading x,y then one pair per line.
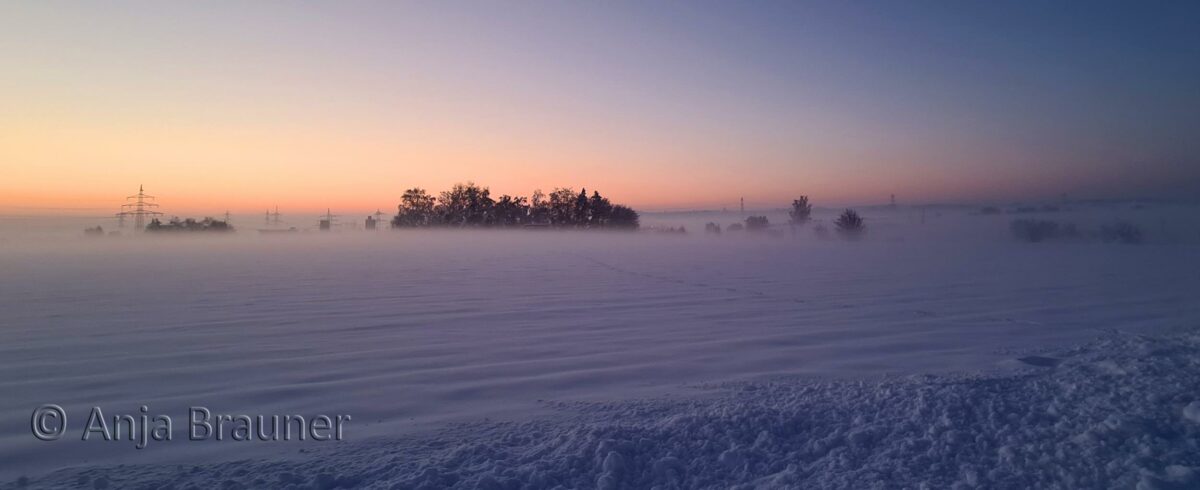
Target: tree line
x,y
189,224
469,206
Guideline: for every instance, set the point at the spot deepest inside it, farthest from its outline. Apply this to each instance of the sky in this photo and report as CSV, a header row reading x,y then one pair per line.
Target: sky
x,y
244,106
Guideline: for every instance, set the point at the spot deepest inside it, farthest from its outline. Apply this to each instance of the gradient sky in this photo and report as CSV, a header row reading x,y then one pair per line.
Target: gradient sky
x,y
661,105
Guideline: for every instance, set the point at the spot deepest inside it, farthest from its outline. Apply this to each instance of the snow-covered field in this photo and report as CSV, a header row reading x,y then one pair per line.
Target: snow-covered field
x,y
939,353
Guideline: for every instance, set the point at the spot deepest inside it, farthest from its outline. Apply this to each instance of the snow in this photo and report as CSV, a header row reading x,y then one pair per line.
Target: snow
x,y
1071,426
941,355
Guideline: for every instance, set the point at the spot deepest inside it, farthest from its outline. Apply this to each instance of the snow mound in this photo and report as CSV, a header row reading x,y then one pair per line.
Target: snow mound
x,y
1106,416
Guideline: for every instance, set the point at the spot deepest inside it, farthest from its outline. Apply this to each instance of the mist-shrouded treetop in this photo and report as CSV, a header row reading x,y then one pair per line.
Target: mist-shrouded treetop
x,y
850,225
756,223
801,211
469,206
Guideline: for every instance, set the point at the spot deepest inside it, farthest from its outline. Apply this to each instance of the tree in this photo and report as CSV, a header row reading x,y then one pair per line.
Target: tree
x,y
539,208
451,206
623,217
415,209
850,225
480,206
601,210
562,207
582,213
757,223
466,205
801,211
511,211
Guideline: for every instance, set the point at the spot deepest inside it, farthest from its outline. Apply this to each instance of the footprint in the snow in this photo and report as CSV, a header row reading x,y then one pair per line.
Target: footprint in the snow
x,y
1040,361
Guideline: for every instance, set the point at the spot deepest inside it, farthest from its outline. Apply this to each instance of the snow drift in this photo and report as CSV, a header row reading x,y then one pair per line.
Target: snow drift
x,y
1118,412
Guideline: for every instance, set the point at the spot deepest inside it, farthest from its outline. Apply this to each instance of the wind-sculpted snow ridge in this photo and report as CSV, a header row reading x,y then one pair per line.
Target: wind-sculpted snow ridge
x,y
1121,412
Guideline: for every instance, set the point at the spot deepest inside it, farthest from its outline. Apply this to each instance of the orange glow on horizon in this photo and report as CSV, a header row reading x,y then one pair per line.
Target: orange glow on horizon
x,y
198,168
97,101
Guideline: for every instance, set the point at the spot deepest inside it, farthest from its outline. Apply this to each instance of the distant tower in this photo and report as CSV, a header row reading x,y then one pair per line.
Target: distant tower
x,y
370,223
140,208
273,218
743,201
378,217
893,200
228,219
326,223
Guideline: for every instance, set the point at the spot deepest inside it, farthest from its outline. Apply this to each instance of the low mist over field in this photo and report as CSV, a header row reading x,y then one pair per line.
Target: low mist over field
x,y
407,329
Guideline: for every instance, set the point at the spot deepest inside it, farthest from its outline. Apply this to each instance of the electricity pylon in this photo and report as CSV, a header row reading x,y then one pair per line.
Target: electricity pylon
x,y
379,214
140,208
273,218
